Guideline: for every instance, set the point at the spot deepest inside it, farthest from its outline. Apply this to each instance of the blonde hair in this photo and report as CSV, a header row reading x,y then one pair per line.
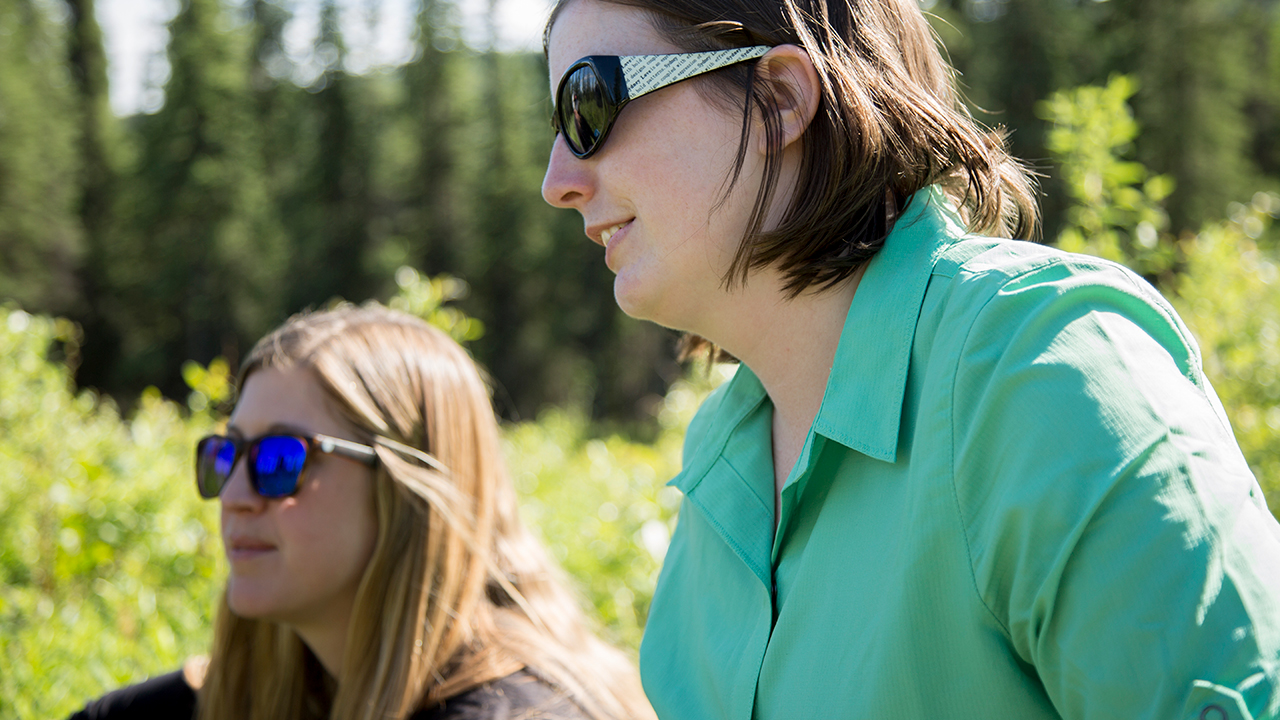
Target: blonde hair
x,y
457,592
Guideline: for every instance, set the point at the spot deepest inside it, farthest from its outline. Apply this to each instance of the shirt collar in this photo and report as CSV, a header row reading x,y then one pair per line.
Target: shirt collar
x,y
862,405
718,418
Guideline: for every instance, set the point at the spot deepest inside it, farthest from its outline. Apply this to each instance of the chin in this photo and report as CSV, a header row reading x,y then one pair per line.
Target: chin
x,y
250,603
643,304
628,300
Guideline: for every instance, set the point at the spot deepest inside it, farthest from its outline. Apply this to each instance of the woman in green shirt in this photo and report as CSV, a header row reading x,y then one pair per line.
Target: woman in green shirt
x,y
955,475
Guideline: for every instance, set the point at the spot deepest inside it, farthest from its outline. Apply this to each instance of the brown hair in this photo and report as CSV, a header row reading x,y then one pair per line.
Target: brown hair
x,y
889,123
457,591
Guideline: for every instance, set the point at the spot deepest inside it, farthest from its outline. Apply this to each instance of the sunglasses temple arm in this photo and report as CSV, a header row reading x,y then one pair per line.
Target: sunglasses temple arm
x,y
346,448
415,453
645,73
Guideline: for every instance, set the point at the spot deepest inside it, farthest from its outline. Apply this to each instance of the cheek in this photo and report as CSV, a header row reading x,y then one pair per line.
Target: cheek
x,y
694,149
363,536
350,533
332,544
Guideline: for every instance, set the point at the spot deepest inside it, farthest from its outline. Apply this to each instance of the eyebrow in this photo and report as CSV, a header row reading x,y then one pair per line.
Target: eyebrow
x,y
274,429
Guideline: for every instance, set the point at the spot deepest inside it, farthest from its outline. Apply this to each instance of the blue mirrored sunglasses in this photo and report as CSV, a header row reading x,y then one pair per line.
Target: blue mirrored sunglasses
x,y
274,462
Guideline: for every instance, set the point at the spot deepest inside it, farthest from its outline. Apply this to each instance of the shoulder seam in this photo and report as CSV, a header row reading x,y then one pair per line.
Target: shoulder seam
x,y
951,462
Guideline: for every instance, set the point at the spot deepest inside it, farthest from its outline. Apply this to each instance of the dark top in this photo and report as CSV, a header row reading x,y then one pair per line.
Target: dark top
x,y
518,696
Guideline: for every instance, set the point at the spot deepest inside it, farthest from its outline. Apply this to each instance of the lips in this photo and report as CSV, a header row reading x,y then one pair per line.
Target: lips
x,y
611,238
600,234
608,233
243,547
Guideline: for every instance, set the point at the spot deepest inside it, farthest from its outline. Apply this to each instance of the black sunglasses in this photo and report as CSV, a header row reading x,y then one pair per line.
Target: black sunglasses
x,y
275,462
595,89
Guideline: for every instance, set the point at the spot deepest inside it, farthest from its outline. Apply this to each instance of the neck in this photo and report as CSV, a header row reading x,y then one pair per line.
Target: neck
x,y
790,345
327,639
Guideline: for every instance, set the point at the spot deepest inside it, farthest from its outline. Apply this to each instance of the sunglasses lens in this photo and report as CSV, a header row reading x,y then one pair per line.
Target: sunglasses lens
x,y
277,463
584,109
215,457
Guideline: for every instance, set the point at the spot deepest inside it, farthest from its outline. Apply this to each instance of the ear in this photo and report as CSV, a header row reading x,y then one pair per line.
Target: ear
x,y
789,74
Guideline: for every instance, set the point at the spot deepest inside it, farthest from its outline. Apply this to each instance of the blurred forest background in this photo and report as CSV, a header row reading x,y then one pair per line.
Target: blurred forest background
x,y
141,256
186,233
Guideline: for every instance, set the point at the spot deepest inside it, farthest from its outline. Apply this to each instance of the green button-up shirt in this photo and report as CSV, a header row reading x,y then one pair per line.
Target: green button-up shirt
x,y
1020,499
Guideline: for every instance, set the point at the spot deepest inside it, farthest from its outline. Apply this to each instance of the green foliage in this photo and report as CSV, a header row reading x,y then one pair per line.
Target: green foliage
x,y
203,252
210,386
1223,280
40,237
426,298
109,562
1117,213
601,503
1229,295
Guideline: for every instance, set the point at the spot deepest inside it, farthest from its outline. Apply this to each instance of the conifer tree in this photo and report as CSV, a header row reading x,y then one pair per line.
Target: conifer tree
x,y
330,241
431,217
1262,105
40,237
275,96
490,253
1192,62
205,271
99,153
1012,54
553,334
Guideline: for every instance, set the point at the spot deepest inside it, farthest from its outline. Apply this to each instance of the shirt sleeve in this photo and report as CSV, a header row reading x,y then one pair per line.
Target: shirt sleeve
x,y
166,696
1115,531
519,696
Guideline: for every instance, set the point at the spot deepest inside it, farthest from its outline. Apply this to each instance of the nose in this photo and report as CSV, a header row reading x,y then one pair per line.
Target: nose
x,y
238,495
569,182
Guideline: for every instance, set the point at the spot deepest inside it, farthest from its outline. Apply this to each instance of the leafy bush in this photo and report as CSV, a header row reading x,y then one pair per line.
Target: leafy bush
x,y
1117,212
109,562
602,504
1229,295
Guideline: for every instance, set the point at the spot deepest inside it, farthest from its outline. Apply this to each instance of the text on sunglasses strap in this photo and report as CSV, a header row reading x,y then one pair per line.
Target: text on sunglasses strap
x,y
646,73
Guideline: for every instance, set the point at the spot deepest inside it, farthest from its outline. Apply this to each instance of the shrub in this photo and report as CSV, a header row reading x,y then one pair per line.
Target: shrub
x,y
1229,295
602,504
108,559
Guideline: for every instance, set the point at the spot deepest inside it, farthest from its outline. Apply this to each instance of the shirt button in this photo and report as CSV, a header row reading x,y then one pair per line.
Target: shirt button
x,y
1213,712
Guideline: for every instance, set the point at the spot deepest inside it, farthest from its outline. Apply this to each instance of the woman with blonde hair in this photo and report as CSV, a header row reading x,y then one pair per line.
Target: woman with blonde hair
x,y
956,474
378,566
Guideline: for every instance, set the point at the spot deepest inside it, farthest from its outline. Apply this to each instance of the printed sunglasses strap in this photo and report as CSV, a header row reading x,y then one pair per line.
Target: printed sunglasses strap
x,y
646,73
